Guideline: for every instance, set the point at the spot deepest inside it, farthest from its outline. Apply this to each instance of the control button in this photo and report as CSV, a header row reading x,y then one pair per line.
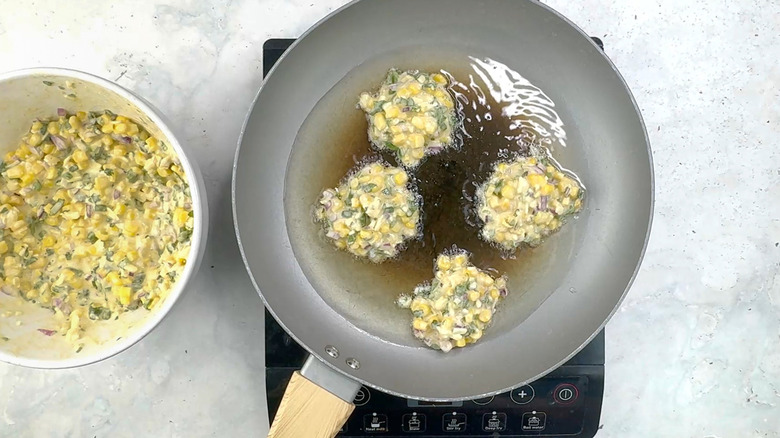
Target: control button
x,y
375,423
534,421
565,394
494,422
522,395
454,422
413,422
362,397
483,401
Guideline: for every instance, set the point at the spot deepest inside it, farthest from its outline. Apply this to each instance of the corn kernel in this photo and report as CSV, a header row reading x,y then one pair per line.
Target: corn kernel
x,y
419,324
417,140
124,294
431,125
75,123
392,111
15,172
48,241
536,180
379,121
404,92
80,156
34,139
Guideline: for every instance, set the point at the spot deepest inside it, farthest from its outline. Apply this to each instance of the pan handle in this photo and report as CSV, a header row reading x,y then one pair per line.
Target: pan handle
x,y
316,403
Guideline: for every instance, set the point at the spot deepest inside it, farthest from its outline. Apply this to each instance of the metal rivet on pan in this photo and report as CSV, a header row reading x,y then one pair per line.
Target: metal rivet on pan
x,y
332,351
353,363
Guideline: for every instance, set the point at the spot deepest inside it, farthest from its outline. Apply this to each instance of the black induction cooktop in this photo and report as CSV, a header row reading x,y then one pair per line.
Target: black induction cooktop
x,y
564,403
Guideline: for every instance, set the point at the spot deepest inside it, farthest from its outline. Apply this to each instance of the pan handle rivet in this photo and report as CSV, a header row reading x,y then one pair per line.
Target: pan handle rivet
x,y
353,363
332,351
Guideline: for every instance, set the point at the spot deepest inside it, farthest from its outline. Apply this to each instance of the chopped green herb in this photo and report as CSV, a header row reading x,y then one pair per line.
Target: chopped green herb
x,y
92,237
99,154
48,83
184,234
138,281
57,206
392,77
97,312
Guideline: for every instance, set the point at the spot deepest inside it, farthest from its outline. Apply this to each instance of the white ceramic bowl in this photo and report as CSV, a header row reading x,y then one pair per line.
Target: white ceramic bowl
x,y
36,93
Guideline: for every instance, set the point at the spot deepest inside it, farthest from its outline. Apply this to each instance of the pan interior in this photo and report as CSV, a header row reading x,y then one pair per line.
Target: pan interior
x,y
503,115
318,294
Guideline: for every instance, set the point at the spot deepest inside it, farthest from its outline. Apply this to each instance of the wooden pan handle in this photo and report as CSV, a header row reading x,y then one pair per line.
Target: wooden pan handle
x,y
308,410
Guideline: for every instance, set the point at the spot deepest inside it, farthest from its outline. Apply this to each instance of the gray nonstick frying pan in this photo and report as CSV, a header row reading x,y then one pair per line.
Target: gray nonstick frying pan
x,y
342,310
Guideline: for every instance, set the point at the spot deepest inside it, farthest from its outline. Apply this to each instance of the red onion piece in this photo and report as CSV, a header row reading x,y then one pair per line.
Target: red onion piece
x,y
58,141
47,332
117,193
121,138
61,112
543,203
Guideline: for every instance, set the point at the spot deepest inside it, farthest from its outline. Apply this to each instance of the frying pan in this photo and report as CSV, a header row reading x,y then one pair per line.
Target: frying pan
x,y
320,296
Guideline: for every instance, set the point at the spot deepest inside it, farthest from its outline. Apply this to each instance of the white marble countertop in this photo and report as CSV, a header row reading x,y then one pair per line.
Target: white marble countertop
x,y
693,352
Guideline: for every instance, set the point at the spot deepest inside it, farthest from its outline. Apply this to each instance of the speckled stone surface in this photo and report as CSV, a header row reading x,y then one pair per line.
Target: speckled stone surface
x,y
693,352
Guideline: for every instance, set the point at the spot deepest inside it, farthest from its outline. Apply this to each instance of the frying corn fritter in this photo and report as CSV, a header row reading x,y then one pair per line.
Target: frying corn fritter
x,y
412,114
372,213
95,219
524,201
456,307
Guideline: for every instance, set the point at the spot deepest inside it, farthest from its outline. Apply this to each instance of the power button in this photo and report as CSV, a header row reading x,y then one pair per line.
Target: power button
x,y
565,394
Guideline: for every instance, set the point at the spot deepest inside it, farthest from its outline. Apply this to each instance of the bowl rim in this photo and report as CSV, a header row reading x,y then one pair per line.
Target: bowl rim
x,y
200,216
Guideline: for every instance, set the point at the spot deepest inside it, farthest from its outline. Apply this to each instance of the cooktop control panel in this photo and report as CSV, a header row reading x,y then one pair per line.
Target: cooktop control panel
x,y
565,403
